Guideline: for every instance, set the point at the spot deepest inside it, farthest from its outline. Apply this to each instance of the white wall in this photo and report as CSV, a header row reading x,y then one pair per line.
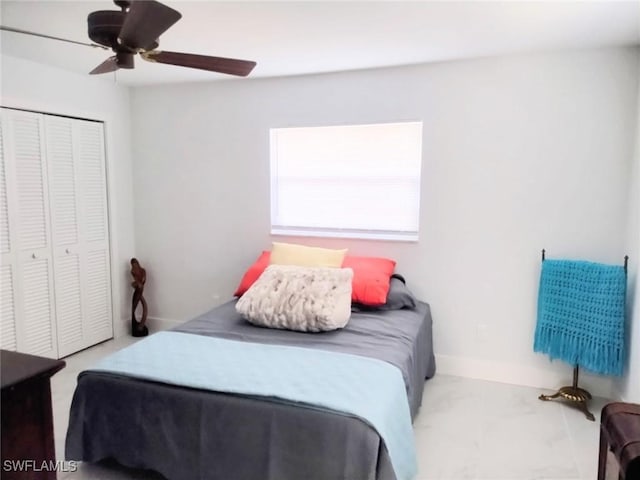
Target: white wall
x,y
629,387
520,153
42,88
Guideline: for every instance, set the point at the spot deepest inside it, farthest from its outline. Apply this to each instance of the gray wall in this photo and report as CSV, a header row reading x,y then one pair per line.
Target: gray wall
x,y
519,153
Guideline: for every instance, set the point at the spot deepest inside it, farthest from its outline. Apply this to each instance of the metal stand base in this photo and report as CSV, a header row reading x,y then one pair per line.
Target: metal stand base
x,y
575,395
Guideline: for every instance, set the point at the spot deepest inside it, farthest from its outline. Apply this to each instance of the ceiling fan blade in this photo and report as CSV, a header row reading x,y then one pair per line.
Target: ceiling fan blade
x,y
145,21
109,65
26,32
231,66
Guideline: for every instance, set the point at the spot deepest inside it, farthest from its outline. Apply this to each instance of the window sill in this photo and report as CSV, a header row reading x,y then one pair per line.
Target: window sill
x,y
362,235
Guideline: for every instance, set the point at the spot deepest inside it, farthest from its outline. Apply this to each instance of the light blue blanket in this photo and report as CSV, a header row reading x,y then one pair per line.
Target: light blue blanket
x,y
370,389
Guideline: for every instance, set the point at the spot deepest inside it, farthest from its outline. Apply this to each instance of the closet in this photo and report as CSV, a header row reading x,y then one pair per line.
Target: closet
x,y
55,279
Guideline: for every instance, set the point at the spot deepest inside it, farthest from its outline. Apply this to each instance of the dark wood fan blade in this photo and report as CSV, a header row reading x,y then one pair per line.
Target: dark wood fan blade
x,y
231,66
109,65
26,32
146,20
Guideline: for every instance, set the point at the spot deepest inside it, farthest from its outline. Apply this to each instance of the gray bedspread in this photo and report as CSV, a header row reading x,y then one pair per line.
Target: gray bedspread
x,y
193,434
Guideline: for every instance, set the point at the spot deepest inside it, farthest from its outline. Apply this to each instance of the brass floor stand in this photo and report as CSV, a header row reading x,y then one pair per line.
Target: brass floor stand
x,y
573,394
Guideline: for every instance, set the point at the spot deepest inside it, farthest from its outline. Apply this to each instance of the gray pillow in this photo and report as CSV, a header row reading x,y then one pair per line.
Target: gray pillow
x,y
399,297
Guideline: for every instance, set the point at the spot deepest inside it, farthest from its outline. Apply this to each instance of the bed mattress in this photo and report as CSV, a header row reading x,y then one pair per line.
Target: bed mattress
x,y
195,434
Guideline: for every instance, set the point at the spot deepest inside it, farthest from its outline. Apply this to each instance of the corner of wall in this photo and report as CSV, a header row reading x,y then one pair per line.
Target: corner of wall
x,y
628,387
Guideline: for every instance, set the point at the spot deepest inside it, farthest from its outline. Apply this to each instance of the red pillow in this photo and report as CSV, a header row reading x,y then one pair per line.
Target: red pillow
x,y
371,279
370,284
253,273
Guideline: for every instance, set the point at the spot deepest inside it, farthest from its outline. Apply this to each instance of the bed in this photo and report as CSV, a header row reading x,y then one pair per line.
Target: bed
x,y
190,433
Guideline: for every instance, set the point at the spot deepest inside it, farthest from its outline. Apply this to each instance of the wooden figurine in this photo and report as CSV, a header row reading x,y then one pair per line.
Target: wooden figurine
x,y
139,274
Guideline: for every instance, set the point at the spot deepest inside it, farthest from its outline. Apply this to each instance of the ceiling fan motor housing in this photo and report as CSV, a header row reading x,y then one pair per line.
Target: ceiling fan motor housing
x,y
104,29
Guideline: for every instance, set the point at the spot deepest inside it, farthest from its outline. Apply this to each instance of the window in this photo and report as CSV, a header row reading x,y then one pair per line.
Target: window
x,y
360,181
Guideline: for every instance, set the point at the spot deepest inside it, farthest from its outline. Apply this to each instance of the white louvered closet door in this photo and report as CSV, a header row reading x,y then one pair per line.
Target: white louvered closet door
x,y
66,238
96,275
80,236
8,259
28,267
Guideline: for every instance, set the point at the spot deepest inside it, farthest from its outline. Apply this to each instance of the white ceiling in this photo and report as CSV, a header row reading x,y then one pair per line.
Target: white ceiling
x,y
293,38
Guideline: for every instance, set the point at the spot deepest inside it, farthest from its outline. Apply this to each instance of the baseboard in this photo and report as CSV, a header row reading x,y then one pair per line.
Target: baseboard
x,y
155,324
547,379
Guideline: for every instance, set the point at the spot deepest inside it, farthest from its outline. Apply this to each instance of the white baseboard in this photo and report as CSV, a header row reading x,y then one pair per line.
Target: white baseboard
x,y
556,376
155,324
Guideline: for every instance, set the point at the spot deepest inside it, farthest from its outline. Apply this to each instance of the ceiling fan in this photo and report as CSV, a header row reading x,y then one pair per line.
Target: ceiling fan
x,y
135,30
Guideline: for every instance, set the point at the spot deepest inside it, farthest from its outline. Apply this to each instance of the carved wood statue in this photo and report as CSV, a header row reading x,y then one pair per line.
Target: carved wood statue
x,y
139,274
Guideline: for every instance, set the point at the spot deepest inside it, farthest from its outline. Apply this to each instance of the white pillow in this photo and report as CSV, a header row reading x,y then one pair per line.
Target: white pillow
x,y
307,299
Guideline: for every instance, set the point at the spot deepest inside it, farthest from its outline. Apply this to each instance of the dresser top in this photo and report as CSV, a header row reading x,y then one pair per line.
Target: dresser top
x,y
18,367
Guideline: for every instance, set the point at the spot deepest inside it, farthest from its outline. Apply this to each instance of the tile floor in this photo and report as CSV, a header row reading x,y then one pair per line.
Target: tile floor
x,y
466,429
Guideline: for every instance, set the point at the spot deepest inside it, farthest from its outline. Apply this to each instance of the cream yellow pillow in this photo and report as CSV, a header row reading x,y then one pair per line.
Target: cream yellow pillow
x,y
303,256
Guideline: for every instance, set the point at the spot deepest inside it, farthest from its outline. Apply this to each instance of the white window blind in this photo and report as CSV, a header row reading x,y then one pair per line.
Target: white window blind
x,y
359,181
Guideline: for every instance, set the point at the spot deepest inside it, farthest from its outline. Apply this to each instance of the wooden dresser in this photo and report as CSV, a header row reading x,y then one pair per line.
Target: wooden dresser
x,y
27,418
